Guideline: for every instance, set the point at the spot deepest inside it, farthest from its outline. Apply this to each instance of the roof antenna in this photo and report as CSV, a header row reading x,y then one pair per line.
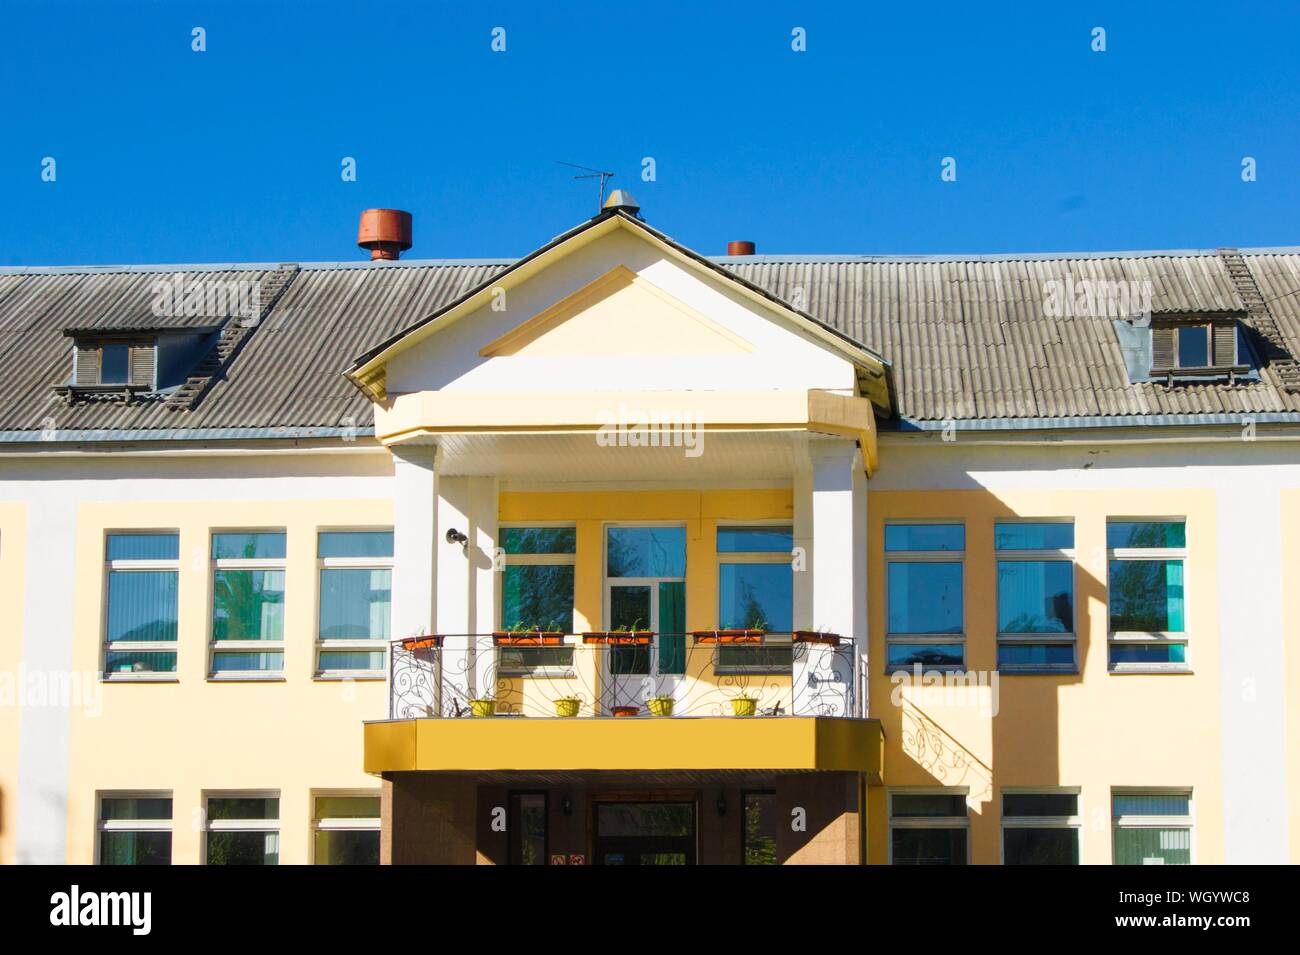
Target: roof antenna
x,y
591,174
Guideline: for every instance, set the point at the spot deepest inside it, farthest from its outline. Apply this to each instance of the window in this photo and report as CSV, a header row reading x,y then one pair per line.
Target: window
x,y
135,829
1040,828
1147,626
1152,827
756,592
1035,596
528,829
356,582
1194,346
928,827
924,603
248,604
645,589
346,830
537,594
243,829
140,617
114,362
758,834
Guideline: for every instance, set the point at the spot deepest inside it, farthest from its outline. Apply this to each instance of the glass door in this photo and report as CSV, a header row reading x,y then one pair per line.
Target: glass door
x,y
645,833
645,589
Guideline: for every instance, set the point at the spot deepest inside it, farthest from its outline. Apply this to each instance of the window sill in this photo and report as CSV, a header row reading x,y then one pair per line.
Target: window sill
x,y
366,677
1038,671
246,678
1148,670
139,678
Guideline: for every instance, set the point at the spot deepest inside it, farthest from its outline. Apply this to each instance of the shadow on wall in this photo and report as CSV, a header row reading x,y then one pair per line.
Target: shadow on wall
x,y
56,810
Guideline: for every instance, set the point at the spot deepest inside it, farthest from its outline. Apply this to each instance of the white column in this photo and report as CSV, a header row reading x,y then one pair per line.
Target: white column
x,y
835,501
414,687
467,582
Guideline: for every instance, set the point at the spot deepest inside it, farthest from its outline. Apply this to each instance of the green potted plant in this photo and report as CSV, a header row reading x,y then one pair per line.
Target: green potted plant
x,y
567,707
753,633
622,635
822,636
660,705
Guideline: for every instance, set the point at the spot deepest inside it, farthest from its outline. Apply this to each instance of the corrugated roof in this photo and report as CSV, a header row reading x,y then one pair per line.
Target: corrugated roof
x,y
968,337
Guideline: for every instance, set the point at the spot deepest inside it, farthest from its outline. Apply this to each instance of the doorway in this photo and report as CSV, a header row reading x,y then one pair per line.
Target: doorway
x,y
645,833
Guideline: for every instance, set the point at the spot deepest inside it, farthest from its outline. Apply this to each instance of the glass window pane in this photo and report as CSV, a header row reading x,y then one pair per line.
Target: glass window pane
x,y
1146,596
135,848
1151,804
528,829
629,609
264,545
234,662
1035,596
755,658
926,654
1146,534
129,807
539,540
646,551
144,662
354,544
644,819
144,546
114,364
902,537
347,847
244,807
773,540
347,807
142,605
925,597
527,659
756,597
248,605
929,846
928,804
1153,846
537,596
1148,653
354,603
243,848
1040,804
1040,846
760,829
1053,535
672,626
1193,346
1030,655
344,660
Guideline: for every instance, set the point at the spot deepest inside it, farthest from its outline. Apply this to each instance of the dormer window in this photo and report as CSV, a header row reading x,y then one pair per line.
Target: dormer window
x,y
1196,347
115,362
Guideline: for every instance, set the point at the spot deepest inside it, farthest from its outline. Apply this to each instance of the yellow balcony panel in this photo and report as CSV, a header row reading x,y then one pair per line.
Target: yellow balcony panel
x,y
790,743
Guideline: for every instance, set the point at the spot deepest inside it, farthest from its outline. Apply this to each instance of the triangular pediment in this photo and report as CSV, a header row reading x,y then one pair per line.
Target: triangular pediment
x,y
619,313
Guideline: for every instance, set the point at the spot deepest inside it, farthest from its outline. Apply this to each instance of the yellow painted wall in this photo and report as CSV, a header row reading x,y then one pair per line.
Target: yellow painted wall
x,y
1091,730
1291,634
196,735
13,548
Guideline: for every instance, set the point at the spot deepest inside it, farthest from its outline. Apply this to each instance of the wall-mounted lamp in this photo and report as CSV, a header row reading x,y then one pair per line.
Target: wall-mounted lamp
x,y
456,537
722,806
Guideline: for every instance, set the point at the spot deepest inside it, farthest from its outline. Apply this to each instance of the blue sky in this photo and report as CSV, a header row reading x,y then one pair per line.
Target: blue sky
x,y
167,155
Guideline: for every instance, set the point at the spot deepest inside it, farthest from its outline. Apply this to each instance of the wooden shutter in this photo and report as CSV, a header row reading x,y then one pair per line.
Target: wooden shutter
x,y
1225,344
87,369
1162,347
142,353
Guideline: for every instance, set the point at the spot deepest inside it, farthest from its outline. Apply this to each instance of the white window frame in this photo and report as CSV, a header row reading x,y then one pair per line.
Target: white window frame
x,y
242,825
131,825
372,645
776,638
929,822
137,646
543,560
1139,636
216,646
926,557
337,824
1059,555
1187,822
1074,822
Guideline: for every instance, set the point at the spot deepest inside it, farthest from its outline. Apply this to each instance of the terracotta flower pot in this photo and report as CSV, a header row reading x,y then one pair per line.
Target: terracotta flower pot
x,y
814,636
728,636
527,638
619,637
421,643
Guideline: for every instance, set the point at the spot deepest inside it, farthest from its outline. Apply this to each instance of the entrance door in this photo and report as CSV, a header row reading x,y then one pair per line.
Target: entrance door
x,y
645,833
645,589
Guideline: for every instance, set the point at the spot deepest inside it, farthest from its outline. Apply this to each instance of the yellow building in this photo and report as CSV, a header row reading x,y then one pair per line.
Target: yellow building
x,y
620,554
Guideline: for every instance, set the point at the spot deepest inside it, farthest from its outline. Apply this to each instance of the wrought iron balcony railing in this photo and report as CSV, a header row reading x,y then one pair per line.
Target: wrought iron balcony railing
x,y
556,675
